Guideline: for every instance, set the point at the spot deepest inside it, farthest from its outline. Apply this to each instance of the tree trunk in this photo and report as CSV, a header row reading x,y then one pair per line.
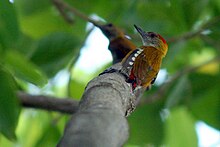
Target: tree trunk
x,y
100,119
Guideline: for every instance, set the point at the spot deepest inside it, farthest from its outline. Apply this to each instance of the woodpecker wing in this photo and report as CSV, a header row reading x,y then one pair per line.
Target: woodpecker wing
x,y
144,68
141,68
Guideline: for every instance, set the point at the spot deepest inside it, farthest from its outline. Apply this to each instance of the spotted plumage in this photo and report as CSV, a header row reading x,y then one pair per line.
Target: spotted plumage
x,y
130,59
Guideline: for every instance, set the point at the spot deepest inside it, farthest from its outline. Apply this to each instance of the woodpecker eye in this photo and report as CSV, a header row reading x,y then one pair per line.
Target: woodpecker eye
x,y
110,25
152,35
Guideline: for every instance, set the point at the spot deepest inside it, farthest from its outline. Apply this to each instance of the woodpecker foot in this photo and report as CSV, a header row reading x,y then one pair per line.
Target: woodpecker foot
x,y
133,83
124,74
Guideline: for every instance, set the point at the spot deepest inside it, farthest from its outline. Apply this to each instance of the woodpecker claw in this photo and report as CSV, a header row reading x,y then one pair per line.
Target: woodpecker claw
x,y
133,83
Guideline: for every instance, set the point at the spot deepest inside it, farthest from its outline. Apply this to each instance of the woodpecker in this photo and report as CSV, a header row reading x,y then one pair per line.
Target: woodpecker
x,y
141,66
119,44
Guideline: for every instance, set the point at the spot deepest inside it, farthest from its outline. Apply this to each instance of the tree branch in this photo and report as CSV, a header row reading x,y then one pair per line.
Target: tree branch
x,y
61,5
210,41
100,119
68,105
64,105
192,34
62,11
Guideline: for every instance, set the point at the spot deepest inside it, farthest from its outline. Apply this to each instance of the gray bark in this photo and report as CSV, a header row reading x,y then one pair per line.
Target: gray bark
x,y
100,120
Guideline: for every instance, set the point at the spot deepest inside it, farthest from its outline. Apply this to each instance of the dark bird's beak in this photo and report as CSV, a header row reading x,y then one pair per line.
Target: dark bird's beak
x,y
140,31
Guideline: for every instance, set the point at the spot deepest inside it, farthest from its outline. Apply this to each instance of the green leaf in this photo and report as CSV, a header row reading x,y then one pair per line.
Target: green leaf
x,y
49,137
201,83
176,53
215,5
32,125
40,18
206,107
24,69
29,7
9,107
180,129
192,11
9,29
146,126
205,103
54,51
5,141
176,13
76,94
212,39
179,91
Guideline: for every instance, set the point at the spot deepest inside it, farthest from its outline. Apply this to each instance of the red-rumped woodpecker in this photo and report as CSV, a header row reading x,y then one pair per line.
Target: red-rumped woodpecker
x,y
142,65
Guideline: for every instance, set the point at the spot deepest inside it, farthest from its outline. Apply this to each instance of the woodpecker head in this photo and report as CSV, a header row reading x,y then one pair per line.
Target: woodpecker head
x,y
153,39
111,31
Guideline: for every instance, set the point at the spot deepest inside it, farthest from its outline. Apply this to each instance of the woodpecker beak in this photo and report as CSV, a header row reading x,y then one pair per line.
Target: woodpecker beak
x,y
140,31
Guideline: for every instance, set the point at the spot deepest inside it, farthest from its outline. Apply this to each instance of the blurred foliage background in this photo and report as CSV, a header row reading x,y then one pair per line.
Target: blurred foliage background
x,y
36,43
